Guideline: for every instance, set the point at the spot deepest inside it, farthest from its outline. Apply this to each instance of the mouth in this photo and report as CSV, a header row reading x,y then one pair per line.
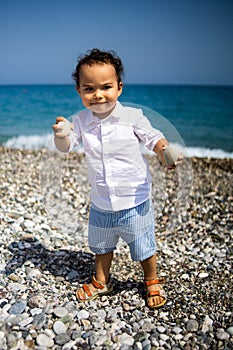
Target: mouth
x,y
102,107
98,103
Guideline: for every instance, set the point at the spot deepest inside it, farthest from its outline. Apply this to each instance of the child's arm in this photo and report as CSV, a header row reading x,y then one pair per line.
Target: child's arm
x,y
62,130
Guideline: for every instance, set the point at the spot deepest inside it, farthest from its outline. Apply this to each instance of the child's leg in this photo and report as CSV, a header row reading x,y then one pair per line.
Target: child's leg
x,y
102,265
149,268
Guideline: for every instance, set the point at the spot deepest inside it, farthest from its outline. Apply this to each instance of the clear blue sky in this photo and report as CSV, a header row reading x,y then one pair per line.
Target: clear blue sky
x,y
159,41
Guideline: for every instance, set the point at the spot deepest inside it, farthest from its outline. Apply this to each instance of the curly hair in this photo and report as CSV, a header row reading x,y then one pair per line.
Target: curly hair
x,y
97,56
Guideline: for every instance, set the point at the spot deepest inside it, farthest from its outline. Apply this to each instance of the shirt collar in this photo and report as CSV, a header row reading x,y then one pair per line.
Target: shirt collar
x,y
116,113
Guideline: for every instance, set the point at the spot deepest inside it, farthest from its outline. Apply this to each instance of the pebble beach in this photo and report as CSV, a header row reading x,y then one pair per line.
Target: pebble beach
x,y
45,258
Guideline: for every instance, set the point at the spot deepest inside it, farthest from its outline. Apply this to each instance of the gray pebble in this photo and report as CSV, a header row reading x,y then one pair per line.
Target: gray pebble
x,y
230,331
60,311
222,335
18,308
192,326
62,339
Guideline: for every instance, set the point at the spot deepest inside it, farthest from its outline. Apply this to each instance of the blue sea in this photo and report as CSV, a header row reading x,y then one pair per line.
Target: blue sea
x,y
201,116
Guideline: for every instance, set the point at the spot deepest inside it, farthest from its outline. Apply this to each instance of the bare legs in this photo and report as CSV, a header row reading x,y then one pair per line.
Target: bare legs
x,y
103,264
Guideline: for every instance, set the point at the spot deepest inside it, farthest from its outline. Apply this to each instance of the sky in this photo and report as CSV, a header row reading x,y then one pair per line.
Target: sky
x,y
159,41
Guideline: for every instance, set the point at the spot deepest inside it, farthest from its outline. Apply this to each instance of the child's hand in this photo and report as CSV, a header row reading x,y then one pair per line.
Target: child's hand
x,y
172,157
62,128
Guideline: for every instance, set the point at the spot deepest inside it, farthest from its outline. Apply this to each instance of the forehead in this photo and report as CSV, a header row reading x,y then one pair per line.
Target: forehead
x,y
97,71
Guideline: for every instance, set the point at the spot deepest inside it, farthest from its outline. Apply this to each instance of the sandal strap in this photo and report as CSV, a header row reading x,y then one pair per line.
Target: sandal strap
x,y
97,284
155,293
153,282
87,290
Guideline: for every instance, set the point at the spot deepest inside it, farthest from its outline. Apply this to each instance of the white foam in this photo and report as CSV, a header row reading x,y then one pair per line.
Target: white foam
x,y
31,142
36,142
200,152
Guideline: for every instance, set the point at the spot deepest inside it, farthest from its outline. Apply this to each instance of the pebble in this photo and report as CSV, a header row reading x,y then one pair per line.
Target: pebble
x,y
44,340
192,326
222,335
60,311
37,301
230,331
17,308
125,339
83,314
207,325
44,262
203,275
59,327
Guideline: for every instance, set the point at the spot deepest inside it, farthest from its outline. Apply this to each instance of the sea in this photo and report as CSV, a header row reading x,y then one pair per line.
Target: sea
x,y
198,117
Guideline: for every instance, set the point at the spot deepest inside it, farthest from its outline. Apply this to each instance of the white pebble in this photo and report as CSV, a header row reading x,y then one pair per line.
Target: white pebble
x,y
203,275
59,327
83,314
44,340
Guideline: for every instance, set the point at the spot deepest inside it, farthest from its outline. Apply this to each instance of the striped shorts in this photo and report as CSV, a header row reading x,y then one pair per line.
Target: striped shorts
x,y
135,226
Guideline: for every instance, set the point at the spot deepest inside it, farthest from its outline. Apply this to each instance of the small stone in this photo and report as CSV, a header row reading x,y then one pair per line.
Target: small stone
x,y
83,314
73,275
163,337
178,337
35,311
29,343
28,223
185,276
44,340
192,326
60,311
203,275
125,339
26,322
2,335
37,301
177,330
14,277
207,324
17,287
59,327
17,308
222,335
161,329
230,330
62,339
126,307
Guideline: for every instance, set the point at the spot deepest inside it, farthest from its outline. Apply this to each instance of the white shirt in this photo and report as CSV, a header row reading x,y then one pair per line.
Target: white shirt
x,y
118,172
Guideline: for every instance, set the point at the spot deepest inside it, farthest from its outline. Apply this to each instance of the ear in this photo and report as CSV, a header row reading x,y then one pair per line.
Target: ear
x,y
77,89
120,88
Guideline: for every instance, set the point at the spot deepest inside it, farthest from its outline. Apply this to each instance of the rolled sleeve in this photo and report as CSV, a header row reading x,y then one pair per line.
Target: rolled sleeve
x,y
147,135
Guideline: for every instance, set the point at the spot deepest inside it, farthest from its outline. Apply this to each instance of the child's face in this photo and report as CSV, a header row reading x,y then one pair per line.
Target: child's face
x,y
99,88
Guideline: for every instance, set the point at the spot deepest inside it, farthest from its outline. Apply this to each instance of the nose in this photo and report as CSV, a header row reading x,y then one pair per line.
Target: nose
x,y
97,94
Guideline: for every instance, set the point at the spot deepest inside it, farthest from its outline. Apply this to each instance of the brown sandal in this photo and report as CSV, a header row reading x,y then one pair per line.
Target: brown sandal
x,y
160,292
101,289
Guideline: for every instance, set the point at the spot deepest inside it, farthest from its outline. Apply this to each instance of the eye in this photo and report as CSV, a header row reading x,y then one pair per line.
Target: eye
x,y
88,89
107,87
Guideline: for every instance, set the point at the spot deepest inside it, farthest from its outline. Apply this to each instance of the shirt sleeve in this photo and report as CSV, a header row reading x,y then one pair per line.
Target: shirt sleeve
x,y
75,136
147,135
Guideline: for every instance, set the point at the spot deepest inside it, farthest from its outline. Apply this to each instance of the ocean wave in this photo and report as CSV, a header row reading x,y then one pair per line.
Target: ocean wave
x,y
37,142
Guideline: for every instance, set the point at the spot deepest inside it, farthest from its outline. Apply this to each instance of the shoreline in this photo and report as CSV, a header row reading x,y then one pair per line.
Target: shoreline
x,y
45,259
